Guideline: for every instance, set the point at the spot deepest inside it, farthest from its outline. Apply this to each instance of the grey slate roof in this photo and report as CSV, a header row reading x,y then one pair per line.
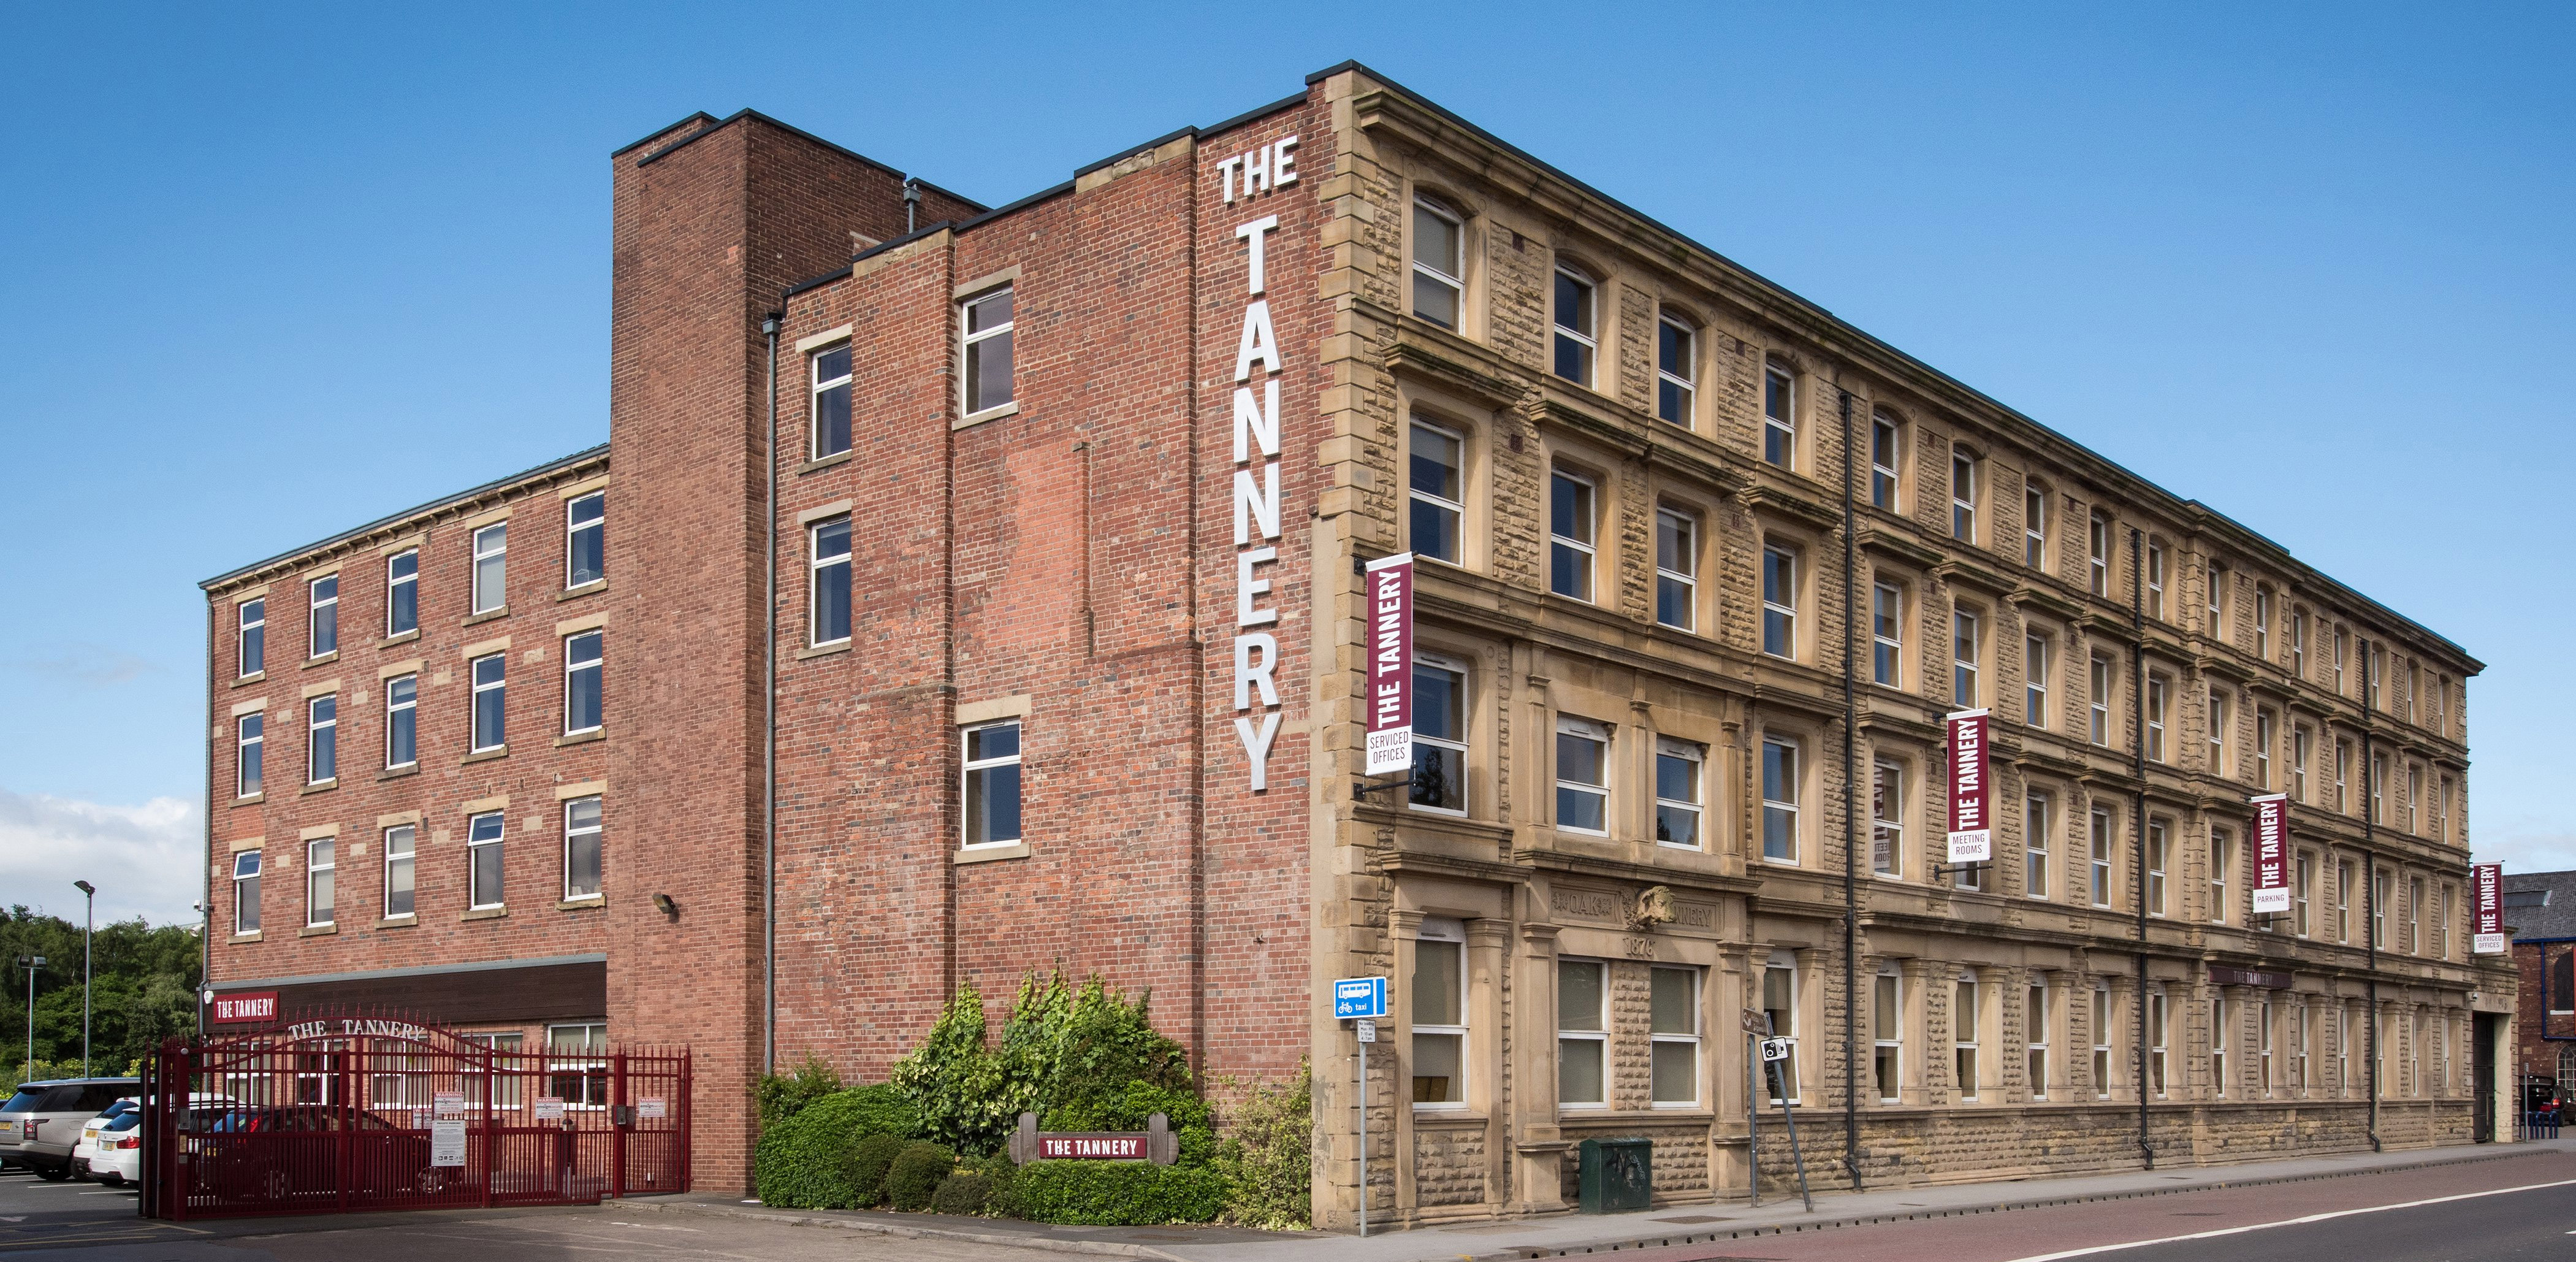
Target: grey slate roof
x,y
2555,919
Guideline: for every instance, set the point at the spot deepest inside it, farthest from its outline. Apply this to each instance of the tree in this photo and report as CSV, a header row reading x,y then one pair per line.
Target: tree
x,y
143,989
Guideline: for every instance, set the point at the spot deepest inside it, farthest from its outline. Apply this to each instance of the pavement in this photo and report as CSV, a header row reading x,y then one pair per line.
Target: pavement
x,y
1684,1230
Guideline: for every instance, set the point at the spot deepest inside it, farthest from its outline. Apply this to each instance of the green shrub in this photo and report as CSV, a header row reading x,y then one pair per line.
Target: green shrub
x,y
782,1096
1003,1200
1079,1049
961,1193
867,1164
917,1173
1117,1193
1266,1159
807,1160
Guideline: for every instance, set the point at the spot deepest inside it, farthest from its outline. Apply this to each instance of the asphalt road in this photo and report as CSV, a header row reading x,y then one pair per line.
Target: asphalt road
x,y
83,1222
2524,1207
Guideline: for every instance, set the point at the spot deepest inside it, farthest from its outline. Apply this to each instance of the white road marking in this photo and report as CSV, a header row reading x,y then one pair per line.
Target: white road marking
x,y
2292,1222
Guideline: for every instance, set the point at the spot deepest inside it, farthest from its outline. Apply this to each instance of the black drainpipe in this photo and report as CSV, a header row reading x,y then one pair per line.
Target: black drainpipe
x,y
2138,816
770,325
1851,826
2370,893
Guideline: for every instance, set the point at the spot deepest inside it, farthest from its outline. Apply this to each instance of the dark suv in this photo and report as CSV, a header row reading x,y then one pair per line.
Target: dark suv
x,y
39,1125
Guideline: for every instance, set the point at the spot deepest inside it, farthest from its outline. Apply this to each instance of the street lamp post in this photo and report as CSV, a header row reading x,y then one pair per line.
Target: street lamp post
x,y
89,925
31,963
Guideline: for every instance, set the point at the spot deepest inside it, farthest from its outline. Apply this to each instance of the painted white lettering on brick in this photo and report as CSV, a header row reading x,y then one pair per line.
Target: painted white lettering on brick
x,y
1256,504
1256,456
1256,419
1248,588
1258,342
1249,673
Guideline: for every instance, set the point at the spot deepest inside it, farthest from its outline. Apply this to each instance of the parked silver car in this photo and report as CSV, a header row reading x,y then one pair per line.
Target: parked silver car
x,y
40,1124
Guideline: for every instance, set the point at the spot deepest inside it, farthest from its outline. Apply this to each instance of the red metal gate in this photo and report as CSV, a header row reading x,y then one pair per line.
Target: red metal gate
x,y
363,1110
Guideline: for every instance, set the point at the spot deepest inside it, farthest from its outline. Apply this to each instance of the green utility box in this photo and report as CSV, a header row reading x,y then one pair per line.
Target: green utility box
x,y
1615,1175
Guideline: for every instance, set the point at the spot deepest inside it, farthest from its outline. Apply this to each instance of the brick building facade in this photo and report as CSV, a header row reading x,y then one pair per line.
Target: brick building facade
x,y
1045,520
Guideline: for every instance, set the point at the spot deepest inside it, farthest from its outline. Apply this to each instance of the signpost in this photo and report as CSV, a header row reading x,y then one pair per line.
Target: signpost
x,y
2272,854
1362,1001
1971,832
1761,1051
2487,880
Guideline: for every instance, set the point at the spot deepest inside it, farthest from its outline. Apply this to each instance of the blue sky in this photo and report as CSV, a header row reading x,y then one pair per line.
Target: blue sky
x,y
276,273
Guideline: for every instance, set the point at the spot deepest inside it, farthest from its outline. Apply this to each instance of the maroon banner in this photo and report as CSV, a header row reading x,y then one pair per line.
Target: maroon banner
x,y
2486,883
1972,837
1388,590
243,1007
2272,854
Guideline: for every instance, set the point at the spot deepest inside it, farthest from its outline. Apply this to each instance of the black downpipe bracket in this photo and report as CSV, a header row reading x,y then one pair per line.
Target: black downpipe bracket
x,y
2138,816
1851,824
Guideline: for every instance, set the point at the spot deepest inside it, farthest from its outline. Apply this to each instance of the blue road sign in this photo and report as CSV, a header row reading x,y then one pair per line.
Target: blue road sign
x,y
1359,997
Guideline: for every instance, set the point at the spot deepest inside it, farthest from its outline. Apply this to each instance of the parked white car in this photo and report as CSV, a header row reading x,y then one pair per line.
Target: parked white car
x,y
111,1149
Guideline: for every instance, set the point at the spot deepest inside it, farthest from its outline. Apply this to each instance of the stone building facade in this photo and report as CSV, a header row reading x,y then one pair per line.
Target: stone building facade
x,y
1045,522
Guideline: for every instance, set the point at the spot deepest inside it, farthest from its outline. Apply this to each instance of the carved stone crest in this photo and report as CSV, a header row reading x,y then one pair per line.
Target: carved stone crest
x,y
1654,906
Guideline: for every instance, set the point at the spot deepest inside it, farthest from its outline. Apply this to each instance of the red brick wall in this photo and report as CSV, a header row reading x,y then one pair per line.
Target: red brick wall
x,y
1057,553
444,780
707,237
2534,1052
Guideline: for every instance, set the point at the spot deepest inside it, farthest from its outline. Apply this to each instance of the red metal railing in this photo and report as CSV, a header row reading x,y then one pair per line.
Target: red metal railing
x,y
352,1110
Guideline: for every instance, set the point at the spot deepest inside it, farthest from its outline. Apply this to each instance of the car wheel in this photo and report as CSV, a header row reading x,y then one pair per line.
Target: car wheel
x,y
54,1174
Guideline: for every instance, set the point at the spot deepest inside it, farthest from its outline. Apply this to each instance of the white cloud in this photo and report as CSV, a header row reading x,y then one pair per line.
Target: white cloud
x,y
144,859
88,665
2534,848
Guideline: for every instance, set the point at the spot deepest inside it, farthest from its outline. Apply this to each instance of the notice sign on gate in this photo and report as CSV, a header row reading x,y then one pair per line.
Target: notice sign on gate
x,y
447,1141
2487,880
652,1106
447,1104
550,1108
1972,835
2272,854
1389,591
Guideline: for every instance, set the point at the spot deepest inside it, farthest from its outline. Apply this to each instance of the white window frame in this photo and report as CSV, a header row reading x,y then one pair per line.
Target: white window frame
x,y
2222,857
1963,495
2304,873
1780,424
2217,731
816,386
1887,818
1684,384
321,611
1785,809
2302,740
1597,1036
474,702
1427,270
1657,1040
2097,553
1568,726
2218,1045
968,769
971,340
407,861
2101,841
574,528
589,1059
2158,1014
1887,634
2217,576
2263,1045
1453,936
2034,526
1966,1015
2097,711
2299,643
2034,679
597,663
2035,1041
815,566
1696,757
2159,693
1587,518
246,872
1683,530
474,847
2262,622
399,712
1885,482
2156,580
1455,510
321,867
1965,630
1586,341
1779,602
2343,900
2159,858
576,833
1887,1033
321,715
1459,747
1783,962
2414,915
394,582
2035,829
250,755
250,619
2264,723
491,551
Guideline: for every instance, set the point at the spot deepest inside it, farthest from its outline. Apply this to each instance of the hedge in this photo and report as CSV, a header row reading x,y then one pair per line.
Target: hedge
x,y
1116,1193
916,1174
807,1160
